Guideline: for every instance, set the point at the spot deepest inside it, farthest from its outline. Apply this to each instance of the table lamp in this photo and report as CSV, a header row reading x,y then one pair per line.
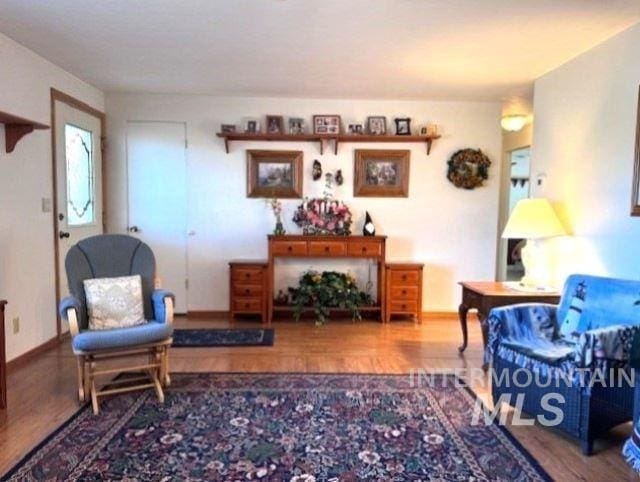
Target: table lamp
x,y
533,219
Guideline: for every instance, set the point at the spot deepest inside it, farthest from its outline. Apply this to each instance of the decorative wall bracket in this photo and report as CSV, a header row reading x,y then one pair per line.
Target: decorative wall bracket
x,y
15,128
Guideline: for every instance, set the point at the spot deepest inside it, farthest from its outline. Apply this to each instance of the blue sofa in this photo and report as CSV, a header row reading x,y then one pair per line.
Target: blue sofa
x,y
579,350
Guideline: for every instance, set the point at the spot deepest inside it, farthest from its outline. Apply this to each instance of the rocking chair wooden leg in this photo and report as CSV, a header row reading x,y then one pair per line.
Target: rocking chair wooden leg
x,y
94,393
81,381
166,381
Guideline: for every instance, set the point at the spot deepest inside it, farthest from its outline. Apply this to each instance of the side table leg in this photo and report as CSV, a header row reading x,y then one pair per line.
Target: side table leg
x,y
484,328
462,314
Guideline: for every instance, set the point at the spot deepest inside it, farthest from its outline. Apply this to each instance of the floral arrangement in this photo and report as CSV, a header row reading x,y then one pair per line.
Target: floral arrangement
x,y
326,290
276,208
323,216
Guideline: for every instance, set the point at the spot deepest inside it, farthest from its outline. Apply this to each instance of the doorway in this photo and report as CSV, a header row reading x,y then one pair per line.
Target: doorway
x,y
157,199
519,188
78,208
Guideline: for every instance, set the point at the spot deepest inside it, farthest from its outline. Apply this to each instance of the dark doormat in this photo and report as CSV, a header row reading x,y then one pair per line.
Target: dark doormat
x,y
183,338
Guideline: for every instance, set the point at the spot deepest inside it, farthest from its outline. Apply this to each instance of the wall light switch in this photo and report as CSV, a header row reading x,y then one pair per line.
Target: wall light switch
x,y
16,325
46,204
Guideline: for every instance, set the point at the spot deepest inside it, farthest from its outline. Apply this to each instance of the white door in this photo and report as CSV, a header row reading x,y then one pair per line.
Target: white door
x,y
78,182
156,156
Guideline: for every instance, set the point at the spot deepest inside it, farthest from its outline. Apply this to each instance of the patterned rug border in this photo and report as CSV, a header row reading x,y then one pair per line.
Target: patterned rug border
x,y
463,384
268,340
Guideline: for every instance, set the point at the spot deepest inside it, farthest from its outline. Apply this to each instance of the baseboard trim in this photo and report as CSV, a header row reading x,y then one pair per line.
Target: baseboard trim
x,y
26,357
441,315
208,314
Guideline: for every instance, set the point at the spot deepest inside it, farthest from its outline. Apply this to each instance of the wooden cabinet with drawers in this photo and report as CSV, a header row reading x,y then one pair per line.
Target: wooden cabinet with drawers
x,y
404,290
248,288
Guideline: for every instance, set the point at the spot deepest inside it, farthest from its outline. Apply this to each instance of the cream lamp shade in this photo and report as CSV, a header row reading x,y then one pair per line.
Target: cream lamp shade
x,y
533,219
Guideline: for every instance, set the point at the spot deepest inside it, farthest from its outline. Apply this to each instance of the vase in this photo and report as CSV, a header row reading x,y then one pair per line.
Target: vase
x,y
279,229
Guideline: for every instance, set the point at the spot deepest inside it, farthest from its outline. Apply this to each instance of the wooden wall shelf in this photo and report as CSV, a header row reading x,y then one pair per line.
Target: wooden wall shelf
x,y
322,138
15,128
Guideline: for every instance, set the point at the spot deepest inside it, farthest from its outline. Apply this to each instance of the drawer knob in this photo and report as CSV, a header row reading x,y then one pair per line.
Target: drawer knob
x,y
404,307
246,305
289,248
326,249
404,292
404,277
364,249
247,276
247,291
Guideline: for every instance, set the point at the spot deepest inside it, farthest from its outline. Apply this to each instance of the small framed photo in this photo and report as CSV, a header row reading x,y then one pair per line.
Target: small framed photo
x,y
274,174
381,173
275,124
227,128
326,124
296,125
423,130
403,126
355,129
377,125
252,126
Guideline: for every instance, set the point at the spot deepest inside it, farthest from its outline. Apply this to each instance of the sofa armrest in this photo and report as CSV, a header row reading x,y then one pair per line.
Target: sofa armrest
x,y
525,320
69,310
163,302
606,347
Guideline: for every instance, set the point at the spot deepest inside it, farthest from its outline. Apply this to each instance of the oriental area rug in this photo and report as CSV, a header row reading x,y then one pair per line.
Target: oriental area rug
x,y
283,427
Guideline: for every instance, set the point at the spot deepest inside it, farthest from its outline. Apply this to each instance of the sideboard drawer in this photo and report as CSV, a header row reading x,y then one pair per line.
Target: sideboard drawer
x,y
365,248
327,248
404,306
247,305
403,277
247,275
247,290
294,248
404,293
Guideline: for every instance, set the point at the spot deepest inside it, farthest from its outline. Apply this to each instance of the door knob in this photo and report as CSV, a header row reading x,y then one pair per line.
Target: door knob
x,y
63,234
134,229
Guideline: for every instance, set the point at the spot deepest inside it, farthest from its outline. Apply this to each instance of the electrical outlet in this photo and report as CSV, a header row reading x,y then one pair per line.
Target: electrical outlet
x,y
16,325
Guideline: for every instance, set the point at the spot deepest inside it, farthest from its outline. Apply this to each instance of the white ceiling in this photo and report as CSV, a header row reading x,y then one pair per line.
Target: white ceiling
x,y
437,49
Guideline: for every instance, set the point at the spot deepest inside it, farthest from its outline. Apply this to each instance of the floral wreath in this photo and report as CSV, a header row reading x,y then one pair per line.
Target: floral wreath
x,y
468,168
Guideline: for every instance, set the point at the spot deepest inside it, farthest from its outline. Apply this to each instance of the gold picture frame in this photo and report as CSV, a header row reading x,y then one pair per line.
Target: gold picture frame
x,y
381,173
274,174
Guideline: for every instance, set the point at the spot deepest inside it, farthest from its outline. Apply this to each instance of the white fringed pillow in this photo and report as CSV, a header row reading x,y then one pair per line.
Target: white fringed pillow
x,y
114,302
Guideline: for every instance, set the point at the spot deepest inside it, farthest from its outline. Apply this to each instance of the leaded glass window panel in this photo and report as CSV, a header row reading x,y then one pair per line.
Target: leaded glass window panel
x,y
80,176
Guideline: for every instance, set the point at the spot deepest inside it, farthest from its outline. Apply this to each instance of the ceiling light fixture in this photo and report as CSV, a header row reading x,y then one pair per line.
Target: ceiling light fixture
x,y
513,123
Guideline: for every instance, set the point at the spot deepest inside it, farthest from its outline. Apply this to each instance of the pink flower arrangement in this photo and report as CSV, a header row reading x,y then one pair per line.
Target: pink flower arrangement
x,y
323,216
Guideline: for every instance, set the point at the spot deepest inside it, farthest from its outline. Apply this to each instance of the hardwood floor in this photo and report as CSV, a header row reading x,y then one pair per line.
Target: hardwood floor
x,y
41,394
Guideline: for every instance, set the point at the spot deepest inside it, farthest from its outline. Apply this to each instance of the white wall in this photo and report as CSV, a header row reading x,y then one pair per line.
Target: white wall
x,y
452,231
26,233
585,127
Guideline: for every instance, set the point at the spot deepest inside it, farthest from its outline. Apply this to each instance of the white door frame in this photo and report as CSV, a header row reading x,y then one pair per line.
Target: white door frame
x,y
59,96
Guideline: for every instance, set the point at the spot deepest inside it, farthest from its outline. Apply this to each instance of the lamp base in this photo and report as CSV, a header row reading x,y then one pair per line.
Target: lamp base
x,y
535,273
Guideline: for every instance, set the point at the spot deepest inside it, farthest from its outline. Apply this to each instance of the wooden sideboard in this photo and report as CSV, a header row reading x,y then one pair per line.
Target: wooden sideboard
x,y
300,246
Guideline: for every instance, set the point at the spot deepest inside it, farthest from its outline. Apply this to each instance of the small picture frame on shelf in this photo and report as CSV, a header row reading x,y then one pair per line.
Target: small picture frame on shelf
x,y
423,130
403,126
227,128
296,126
326,124
432,129
252,126
275,124
355,129
377,125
